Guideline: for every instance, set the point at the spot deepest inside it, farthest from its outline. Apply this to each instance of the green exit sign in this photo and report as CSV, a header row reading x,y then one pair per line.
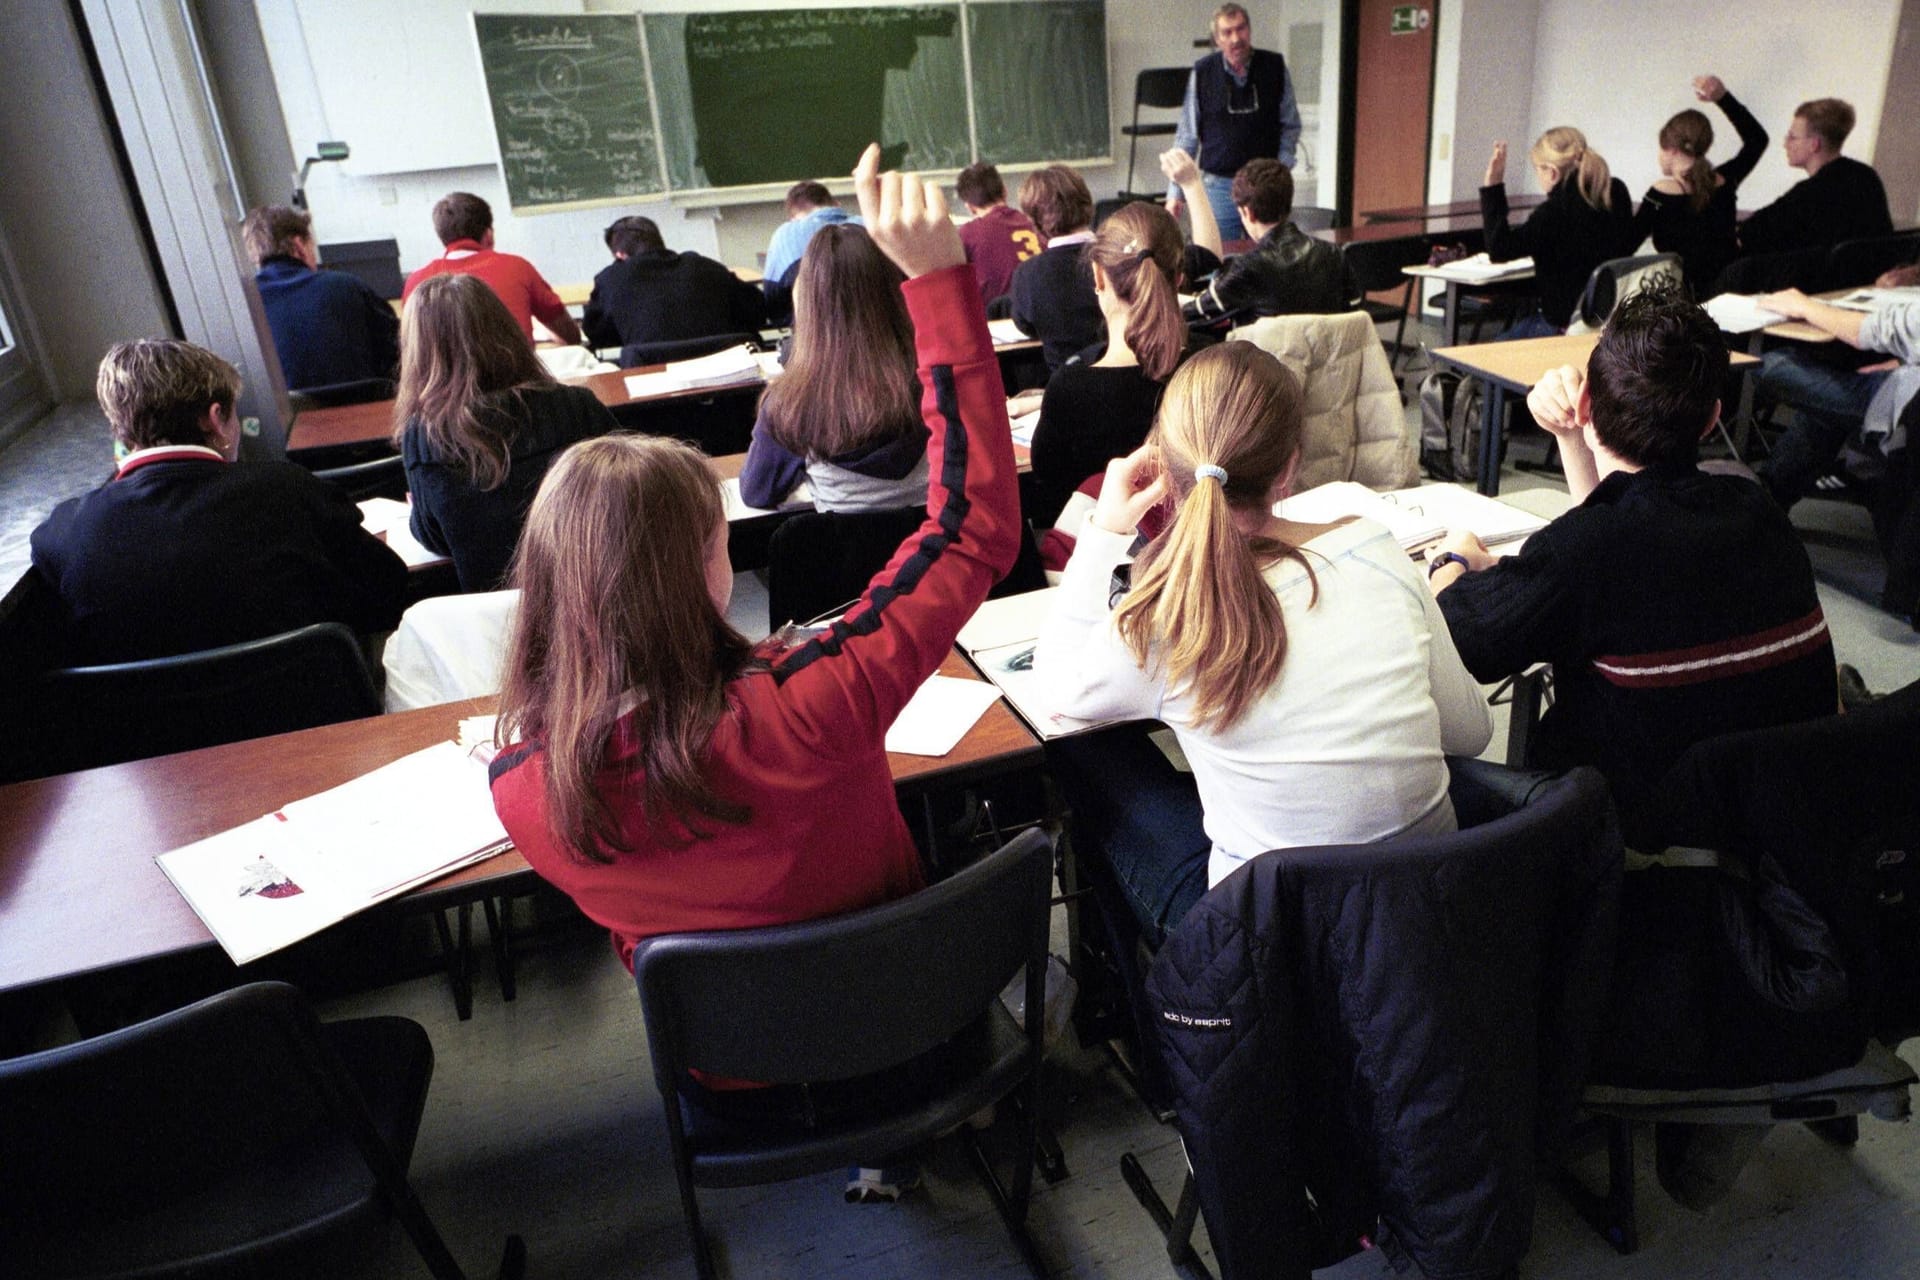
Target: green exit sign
x,y
1410,19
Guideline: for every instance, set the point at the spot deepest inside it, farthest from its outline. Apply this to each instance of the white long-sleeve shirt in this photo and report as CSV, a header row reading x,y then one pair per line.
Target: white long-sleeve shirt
x,y
1346,746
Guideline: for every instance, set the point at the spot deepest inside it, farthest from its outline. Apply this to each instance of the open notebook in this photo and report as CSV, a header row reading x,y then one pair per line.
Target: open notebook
x,y
1416,517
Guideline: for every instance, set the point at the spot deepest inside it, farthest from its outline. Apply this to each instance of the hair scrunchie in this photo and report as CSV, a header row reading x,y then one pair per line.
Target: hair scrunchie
x,y
1208,471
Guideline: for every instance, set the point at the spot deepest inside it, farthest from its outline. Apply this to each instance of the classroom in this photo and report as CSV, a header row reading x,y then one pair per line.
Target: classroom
x,y
142,132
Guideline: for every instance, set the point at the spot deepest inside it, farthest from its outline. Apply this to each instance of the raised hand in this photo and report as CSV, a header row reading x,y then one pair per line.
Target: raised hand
x,y
1133,486
1496,166
1179,167
907,217
1709,88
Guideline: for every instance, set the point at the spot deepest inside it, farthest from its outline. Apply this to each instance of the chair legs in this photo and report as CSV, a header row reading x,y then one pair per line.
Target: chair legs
x,y
1176,1226
1610,1213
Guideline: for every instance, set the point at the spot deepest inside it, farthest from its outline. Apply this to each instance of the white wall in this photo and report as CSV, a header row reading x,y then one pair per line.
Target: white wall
x,y
1483,82
1604,69
567,245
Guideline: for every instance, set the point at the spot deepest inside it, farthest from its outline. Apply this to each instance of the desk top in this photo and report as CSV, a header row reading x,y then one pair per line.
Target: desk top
x,y
1522,362
1461,227
1456,209
80,892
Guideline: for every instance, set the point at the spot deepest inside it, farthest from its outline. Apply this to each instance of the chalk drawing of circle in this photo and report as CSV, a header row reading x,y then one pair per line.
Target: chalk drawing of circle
x,y
558,75
568,129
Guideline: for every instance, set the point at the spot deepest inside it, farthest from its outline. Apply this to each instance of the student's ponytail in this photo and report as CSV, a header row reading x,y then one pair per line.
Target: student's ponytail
x,y
1200,615
1691,134
1139,250
1565,149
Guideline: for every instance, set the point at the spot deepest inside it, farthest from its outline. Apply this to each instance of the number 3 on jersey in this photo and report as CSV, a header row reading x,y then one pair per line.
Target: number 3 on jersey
x,y
1026,244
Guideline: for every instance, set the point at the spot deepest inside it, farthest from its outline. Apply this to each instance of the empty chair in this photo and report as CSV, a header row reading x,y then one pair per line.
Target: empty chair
x,y
236,1137
1853,263
890,1016
102,715
1377,266
1355,426
635,354
1163,89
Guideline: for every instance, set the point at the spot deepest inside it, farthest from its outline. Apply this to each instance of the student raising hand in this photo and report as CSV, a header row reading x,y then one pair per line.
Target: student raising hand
x,y
907,217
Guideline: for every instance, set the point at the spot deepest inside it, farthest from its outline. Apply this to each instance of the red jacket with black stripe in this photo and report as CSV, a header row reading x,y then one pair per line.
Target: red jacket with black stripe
x,y
1674,606
803,744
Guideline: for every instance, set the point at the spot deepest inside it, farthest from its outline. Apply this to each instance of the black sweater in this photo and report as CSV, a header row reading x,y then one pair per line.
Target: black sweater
x,y
1053,301
1644,598
479,527
1704,238
662,296
1844,201
1088,417
1566,237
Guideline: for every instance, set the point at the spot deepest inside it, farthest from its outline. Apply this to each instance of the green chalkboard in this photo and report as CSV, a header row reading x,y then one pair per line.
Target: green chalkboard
x,y
774,95
570,107
1039,79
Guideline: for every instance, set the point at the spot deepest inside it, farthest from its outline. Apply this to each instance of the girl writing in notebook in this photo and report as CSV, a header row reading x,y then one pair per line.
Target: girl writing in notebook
x,y
845,414
1304,668
664,773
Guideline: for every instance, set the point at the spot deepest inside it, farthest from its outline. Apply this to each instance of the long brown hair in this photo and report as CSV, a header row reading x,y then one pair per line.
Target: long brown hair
x,y
1200,612
459,346
614,604
851,380
1565,148
1139,250
1691,134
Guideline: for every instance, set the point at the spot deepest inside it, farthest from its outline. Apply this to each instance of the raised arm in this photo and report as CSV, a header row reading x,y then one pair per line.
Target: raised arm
x,y
1184,174
844,688
1753,135
1504,241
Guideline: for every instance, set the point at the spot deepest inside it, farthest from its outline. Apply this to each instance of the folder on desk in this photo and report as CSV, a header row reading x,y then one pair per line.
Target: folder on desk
x,y
289,874
1000,638
1480,269
721,369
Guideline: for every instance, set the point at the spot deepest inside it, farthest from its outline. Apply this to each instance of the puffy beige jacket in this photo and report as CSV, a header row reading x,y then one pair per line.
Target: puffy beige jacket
x,y
1356,427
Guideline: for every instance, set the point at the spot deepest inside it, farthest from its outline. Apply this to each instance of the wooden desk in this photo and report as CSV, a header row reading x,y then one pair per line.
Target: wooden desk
x,y
80,892
1450,304
1456,209
1513,367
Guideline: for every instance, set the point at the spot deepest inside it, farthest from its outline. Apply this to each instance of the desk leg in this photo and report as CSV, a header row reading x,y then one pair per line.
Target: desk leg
x,y
1493,416
1450,322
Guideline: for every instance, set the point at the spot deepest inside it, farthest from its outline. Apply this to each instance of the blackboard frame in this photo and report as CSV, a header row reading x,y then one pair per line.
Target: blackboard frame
x,y
695,195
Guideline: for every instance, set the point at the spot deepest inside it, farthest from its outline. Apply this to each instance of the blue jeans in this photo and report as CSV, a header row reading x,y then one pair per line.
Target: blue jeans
x,y
1220,197
1828,402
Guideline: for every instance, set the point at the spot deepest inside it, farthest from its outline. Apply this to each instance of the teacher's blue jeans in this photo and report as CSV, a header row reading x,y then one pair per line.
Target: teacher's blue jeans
x,y
1220,197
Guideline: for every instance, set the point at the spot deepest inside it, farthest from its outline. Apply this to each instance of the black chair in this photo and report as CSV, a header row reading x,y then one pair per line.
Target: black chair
x,y
1312,1086
1618,279
818,562
1855,263
1377,266
360,391
635,354
376,263
103,715
1163,89
857,1001
1766,272
32,632
378,478
235,1137
1758,962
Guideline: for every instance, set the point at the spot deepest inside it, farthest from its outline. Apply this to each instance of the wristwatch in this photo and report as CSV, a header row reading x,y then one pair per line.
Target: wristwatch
x,y
1445,558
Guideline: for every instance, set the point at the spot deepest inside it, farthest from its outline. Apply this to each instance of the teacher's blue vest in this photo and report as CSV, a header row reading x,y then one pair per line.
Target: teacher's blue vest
x,y
1237,123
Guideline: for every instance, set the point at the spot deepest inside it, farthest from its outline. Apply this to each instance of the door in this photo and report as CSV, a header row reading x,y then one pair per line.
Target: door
x,y
1392,88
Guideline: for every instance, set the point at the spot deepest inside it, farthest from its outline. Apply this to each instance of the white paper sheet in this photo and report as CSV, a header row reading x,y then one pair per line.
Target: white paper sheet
x,y
1741,313
939,715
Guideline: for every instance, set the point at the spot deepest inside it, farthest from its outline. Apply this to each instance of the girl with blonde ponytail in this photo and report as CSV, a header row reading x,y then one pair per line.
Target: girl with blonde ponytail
x,y
1587,219
1690,210
1099,405
1304,668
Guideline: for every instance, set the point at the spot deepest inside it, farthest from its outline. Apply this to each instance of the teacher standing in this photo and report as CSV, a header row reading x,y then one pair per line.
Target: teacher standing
x,y
1240,107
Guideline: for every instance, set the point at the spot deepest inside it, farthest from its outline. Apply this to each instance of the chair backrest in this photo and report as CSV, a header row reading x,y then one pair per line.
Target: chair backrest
x,y
1618,279
1356,427
635,354
376,263
1405,1019
32,622
1854,263
134,1121
1377,264
849,995
819,560
1313,217
359,391
376,478
1766,272
310,676
1161,87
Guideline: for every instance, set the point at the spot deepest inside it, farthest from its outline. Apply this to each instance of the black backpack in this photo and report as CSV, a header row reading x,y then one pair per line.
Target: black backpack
x,y
1450,426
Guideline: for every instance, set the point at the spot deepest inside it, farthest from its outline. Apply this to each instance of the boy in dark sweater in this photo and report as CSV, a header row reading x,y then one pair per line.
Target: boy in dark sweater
x,y
1053,292
1674,605
1840,199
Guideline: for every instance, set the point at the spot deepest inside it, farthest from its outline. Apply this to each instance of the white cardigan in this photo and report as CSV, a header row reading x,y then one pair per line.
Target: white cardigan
x,y
1345,747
